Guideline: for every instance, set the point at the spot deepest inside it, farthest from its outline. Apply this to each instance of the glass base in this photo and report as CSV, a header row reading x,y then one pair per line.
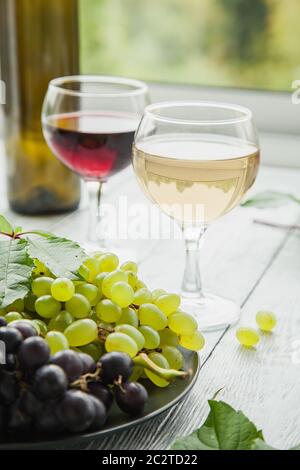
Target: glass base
x,y
211,312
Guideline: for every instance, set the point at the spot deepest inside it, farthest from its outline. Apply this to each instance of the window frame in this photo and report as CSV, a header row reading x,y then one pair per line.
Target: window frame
x,y
265,105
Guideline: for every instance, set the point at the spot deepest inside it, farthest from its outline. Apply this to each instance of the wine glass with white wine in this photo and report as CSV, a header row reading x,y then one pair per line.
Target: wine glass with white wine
x,y
196,160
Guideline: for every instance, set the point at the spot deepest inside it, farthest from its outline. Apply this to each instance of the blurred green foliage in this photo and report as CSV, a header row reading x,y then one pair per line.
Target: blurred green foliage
x,y
243,29
241,43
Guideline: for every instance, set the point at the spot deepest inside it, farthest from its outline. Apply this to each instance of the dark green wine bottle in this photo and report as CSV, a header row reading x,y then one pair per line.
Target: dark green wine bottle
x,y
38,42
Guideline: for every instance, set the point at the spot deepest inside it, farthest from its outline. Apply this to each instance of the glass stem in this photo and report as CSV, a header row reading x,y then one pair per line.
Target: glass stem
x,y
192,284
94,191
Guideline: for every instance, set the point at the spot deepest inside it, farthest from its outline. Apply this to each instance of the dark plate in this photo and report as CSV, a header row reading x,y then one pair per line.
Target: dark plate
x,y
160,399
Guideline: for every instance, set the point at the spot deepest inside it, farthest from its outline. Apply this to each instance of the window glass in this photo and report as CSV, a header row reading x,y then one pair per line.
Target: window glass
x,y
237,43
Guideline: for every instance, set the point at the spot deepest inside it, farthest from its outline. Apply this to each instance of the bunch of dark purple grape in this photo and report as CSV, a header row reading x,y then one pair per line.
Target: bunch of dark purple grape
x,y
65,392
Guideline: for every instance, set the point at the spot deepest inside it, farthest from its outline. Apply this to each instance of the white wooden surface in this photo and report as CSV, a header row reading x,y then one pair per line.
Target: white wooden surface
x,y
255,265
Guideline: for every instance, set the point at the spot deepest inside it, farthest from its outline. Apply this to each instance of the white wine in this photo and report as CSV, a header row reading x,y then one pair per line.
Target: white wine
x,y
195,178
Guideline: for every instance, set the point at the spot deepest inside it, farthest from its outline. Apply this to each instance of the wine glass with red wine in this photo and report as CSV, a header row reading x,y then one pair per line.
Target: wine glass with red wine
x,y
89,123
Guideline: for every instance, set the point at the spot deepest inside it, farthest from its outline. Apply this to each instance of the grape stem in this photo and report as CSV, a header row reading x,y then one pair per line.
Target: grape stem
x,y
18,235
217,393
168,374
83,380
11,235
103,333
119,383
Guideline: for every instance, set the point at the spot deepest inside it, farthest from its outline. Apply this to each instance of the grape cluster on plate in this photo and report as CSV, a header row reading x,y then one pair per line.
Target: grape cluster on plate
x,y
104,311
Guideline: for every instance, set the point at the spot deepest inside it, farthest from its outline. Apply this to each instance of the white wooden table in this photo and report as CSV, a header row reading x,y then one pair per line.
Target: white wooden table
x,y
255,265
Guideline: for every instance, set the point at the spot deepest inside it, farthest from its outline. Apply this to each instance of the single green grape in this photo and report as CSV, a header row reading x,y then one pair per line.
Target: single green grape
x,y
112,278
93,265
129,266
27,315
134,333
47,307
194,342
158,381
24,320
98,281
173,356
29,302
140,284
266,320
95,350
78,306
248,337
142,296
129,317
77,283
168,337
160,361
137,373
122,294
168,303
61,321
91,292
108,262
41,326
97,254
62,289
81,332
56,341
151,315
182,323
108,311
84,272
132,279
41,286
152,339
157,293
13,316
121,343
17,306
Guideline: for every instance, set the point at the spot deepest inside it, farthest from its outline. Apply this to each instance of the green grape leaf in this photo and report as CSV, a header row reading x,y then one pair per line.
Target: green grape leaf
x,y
62,256
270,199
224,429
190,442
15,271
260,444
5,226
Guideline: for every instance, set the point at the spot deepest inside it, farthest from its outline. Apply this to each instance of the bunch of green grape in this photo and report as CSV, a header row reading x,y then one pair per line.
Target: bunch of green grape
x,y
110,309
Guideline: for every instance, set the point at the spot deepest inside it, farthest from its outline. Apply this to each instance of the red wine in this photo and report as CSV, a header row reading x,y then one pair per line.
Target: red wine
x,y
94,145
